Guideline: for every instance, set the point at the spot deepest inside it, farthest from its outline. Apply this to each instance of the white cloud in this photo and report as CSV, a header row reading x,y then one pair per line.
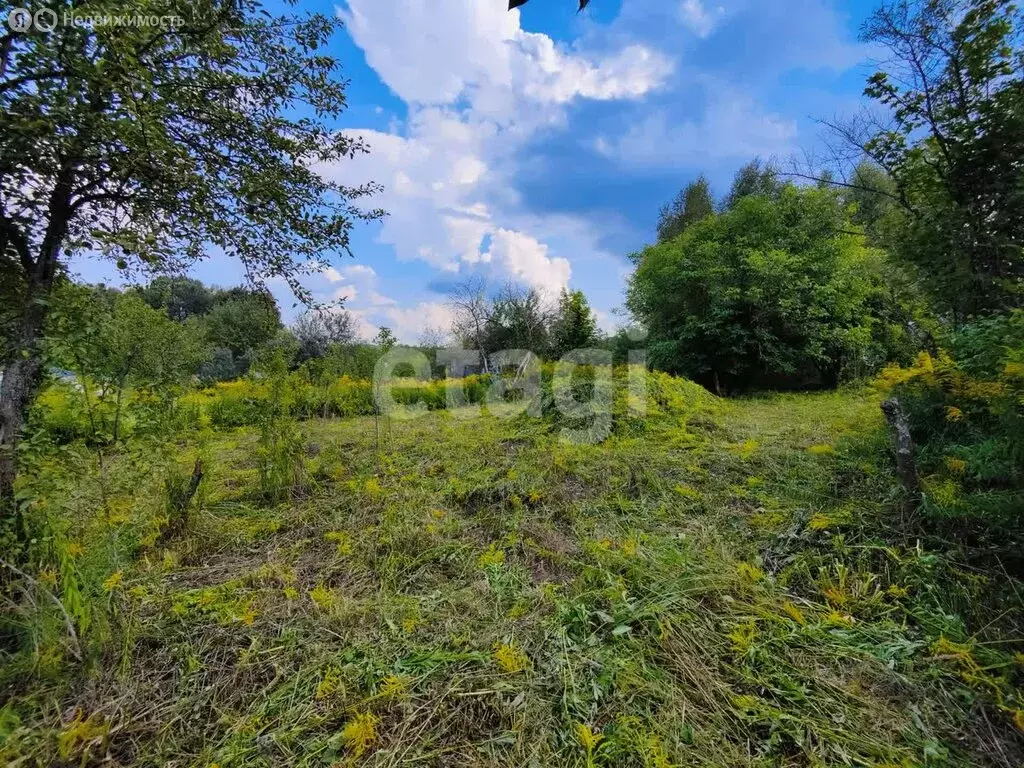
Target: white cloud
x,y
380,300
733,126
478,87
358,271
433,53
332,275
527,259
699,19
345,293
409,322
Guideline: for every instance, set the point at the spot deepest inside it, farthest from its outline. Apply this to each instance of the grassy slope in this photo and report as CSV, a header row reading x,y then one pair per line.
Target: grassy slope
x,y
483,594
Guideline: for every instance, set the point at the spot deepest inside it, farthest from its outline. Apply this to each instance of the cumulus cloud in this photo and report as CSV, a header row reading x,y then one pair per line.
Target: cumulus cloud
x,y
526,259
478,88
432,53
408,323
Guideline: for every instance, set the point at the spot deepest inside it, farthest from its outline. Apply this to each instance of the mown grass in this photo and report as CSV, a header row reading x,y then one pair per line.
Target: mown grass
x,y
725,586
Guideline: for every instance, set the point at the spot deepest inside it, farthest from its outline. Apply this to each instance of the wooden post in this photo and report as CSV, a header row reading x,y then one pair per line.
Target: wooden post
x,y
906,468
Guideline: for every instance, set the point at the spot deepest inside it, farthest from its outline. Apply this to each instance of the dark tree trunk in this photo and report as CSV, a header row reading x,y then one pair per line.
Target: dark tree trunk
x,y
24,371
21,379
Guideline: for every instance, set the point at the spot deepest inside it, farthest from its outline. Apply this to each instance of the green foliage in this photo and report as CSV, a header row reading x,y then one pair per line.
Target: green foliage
x,y
693,203
281,448
519,319
967,418
953,86
701,588
755,179
774,292
243,323
180,297
575,326
118,348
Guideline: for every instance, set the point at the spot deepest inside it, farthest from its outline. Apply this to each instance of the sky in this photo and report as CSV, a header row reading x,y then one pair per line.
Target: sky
x,y
538,145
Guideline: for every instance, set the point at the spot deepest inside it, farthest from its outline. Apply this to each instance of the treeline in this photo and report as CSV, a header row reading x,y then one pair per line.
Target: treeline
x,y
210,334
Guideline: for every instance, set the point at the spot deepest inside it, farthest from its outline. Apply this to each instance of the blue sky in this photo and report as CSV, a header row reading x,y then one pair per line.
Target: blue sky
x,y
537,145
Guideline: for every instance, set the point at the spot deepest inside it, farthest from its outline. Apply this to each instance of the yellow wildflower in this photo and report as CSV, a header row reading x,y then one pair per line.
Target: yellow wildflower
x,y
749,573
819,522
342,539
392,686
587,737
511,659
360,732
322,597
492,557
113,581
954,414
329,684
793,612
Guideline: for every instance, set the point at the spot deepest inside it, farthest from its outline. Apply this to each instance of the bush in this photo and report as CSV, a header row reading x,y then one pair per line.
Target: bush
x,y
966,410
776,292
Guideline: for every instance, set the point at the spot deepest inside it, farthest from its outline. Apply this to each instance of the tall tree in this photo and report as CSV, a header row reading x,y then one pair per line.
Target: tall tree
x,y
180,297
519,319
150,145
775,292
954,88
243,322
755,179
472,311
575,325
693,203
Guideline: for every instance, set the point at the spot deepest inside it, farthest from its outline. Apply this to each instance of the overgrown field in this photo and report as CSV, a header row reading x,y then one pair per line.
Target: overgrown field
x,y
720,584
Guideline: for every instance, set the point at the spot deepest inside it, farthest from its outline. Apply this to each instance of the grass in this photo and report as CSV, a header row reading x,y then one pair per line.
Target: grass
x,y
725,586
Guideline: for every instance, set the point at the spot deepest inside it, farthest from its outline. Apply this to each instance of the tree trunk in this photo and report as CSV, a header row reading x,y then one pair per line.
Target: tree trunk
x,y
21,379
23,373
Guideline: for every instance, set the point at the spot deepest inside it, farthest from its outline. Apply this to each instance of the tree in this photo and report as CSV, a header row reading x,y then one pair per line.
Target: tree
x,y
472,312
518,319
385,339
243,323
575,326
180,297
778,291
871,193
692,204
752,180
150,145
953,146
114,341
318,330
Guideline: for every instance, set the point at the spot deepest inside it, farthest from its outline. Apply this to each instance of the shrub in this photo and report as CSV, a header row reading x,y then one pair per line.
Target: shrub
x,y
966,411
